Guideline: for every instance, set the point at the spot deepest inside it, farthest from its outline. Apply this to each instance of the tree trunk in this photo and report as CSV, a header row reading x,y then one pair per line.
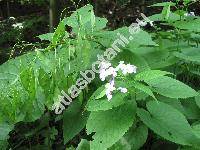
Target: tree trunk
x,y
8,8
96,7
53,14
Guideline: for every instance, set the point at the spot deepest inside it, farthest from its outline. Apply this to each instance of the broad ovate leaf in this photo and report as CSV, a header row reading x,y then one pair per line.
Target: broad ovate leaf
x,y
74,120
109,126
171,88
133,139
169,123
150,74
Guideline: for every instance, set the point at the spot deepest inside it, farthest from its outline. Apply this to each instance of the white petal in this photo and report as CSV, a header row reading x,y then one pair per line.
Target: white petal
x,y
151,23
109,96
123,90
104,65
111,71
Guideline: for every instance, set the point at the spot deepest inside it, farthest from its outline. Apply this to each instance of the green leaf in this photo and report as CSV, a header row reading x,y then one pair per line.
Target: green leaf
x,y
140,38
191,110
4,131
187,148
102,94
84,22
171,88
79,17
122,144
175,103
19,94
133,139
191,25
103,103
160,59
83,48
168,122
59,33
46,37
83,145
196,129
197,99
159,17
74,120
100,23
166,11
189,54
3,145
163,4
150,74
137,136
109,126
144,88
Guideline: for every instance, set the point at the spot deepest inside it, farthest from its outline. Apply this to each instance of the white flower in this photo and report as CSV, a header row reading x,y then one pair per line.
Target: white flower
x,y
131,68
104,65
110,12
126,68
103,74
111,71
110,87
123,90
189,14
142,23
151,23
106,70
18,25
109,96
120,66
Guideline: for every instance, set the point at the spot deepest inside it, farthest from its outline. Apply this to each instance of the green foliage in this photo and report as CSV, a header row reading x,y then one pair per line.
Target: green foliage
x,y
83,145
103,103
189,55
144,88
5,129
150,75
109,126
172,88
133,139
169,123
73,121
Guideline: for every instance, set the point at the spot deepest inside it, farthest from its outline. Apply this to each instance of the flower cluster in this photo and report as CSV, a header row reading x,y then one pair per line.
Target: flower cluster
x,y
189,14
18,25
106,70
144,23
